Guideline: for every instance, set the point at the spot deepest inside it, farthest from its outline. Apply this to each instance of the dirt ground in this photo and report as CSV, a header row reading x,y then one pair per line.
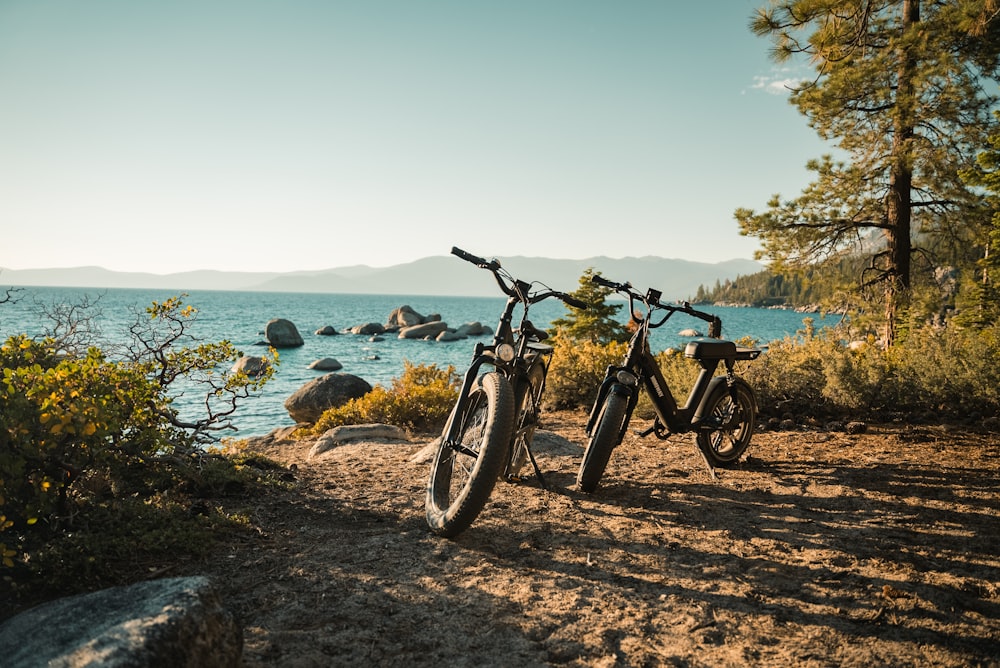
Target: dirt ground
x,y
821,549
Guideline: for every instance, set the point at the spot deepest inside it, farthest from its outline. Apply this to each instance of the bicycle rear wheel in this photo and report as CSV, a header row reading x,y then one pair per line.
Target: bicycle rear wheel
x,y
464,473
603,440
728,425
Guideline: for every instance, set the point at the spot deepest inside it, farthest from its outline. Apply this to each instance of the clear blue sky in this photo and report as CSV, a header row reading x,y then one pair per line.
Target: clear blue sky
x,y
255,135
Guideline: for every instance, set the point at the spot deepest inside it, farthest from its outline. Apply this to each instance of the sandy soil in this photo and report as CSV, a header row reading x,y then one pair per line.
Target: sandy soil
x,y
822,549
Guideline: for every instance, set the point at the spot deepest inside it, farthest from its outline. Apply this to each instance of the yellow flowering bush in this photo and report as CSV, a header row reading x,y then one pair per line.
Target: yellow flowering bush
x,y
420,399
66,417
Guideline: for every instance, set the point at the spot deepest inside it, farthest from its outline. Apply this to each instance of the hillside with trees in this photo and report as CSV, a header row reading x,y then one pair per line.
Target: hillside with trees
x,y
826,286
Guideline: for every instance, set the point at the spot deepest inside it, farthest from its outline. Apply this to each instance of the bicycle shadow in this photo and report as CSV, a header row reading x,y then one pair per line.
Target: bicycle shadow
x,y
900,548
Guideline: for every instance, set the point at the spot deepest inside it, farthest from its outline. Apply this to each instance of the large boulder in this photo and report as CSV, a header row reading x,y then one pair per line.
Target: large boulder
x,y
404,316
251,366
356,432
167,622
329,391
282,333
425,330
367,329
472,329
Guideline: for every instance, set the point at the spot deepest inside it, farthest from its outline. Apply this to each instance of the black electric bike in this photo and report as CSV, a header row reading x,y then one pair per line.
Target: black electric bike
x,y
489,432
720,410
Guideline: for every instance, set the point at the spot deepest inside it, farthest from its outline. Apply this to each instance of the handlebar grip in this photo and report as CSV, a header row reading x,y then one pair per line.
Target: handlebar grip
x,y
469,257
600,280
574,302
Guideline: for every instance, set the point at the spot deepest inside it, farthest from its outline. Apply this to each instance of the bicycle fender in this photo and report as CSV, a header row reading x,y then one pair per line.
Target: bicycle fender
x,y
710,392
610,384
470,379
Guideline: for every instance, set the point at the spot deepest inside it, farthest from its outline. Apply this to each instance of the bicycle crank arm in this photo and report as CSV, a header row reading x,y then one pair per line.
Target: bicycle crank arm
x,y
661,432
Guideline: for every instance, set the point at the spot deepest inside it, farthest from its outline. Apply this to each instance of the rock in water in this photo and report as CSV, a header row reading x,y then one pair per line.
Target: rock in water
x,y
282,333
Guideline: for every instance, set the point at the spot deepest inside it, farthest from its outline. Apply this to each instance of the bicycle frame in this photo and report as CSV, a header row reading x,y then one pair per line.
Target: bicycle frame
x,y
486,354
488,433
639,366
527,349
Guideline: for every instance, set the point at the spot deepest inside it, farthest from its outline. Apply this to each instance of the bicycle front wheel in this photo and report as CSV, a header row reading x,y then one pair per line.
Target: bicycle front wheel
x,y
728,425
464,472
605,437
526,422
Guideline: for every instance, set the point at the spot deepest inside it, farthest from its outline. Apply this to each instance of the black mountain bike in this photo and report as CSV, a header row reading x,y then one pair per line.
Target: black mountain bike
x,y
489,432
720,410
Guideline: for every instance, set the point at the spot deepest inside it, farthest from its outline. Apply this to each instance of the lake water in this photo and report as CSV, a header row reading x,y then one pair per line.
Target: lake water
x,y
240,317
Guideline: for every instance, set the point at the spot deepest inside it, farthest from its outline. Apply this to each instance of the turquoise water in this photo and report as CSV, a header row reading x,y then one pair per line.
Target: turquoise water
x,y
240,317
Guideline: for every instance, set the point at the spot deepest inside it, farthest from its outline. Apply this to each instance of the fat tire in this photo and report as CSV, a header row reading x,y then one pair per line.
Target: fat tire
x,y
603,440
486,417
724,446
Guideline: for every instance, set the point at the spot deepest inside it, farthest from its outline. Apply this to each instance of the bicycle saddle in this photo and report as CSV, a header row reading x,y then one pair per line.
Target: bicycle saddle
x,y
710,349
533,332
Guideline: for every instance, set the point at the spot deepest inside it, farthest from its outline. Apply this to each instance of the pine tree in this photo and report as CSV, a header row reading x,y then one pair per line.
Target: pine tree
x,y
900,85
598,323
982,304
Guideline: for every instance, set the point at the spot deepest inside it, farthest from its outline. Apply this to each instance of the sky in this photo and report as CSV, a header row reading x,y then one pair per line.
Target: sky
x,y
302,135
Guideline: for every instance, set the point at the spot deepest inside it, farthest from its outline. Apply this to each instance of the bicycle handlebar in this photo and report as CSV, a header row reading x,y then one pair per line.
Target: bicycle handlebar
x,y
475,259
652,299
494,266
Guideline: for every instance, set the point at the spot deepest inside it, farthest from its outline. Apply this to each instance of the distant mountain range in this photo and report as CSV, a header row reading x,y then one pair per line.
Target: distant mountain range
x,y
438,275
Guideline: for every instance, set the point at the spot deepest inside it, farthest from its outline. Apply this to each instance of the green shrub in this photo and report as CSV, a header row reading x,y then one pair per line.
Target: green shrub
x,y
577,369
63,417
420,399
79,430
947,372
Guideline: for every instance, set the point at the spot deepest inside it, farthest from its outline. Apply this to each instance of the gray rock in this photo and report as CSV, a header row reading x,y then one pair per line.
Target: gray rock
x,y
689,332
356,432
175,622
327,330
250,365
282,333
449,335
429,329
308,402
368,329
404,316
856,427
326,364
471,329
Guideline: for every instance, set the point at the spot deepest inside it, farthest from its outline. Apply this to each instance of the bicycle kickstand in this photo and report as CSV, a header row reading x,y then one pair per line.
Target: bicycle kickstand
x,y
538,471
708,464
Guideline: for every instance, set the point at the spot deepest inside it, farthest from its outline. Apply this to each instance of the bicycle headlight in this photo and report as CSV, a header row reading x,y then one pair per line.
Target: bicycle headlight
x,y
626,377
505,352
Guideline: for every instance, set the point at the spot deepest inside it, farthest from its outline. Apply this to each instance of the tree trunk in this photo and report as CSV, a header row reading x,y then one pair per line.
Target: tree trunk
x,y
899,204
